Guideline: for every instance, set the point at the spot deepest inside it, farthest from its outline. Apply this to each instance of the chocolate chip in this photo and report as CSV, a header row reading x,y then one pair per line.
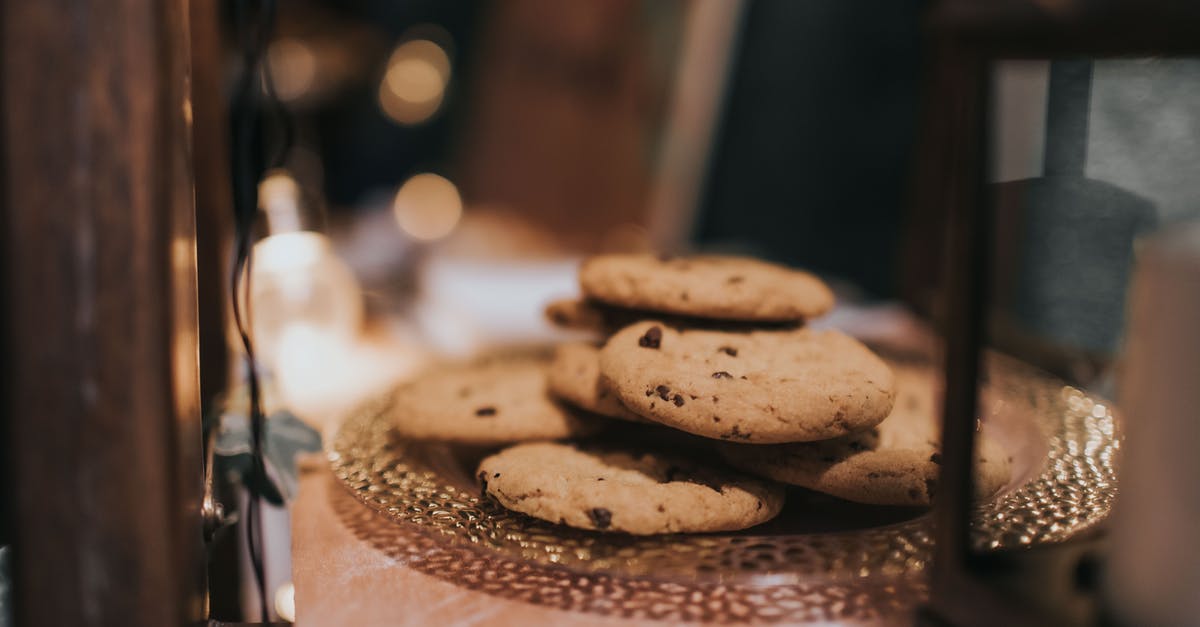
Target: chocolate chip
x,y
872,475
601,517
649,392
599,478
728,350
722,375
661,508
735,434
495,475
914,493
743,377
716,419
485,411
936,458
678,400
664,392
734,280
651,339
464,392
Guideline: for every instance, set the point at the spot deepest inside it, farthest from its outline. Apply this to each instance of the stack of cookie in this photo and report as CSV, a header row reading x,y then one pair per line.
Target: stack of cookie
x,y
716,348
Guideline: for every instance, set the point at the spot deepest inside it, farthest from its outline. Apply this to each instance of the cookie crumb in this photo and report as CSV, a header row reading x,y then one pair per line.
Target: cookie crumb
x,y
652,338
485,411
601,517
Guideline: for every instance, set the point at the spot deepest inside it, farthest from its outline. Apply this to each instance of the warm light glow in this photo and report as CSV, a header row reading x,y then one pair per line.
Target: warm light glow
x,y
297,278
290,251
279,198
285,602
415,82
427,207
293,68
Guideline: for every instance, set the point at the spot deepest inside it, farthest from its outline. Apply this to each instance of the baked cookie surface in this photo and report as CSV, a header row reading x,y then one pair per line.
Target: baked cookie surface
x,y
765,386
577,314
895,463
729,288
611,489
574,376
485,403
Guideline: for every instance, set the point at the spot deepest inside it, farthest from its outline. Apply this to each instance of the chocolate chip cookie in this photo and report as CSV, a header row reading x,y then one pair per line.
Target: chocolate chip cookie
x,y
638,492
574,377
485,403
727,288
761,386
895,463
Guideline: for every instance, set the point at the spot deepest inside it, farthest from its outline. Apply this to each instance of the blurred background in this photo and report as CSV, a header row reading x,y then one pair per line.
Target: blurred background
x,y
443,144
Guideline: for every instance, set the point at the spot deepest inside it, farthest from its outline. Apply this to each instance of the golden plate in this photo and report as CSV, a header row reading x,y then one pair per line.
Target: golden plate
x,y
849,562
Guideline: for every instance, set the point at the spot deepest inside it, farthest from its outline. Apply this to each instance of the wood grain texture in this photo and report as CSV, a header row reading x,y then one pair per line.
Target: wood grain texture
x,y
100,327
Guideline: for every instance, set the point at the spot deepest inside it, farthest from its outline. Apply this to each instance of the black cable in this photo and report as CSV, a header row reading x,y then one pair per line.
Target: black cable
x,y
253,23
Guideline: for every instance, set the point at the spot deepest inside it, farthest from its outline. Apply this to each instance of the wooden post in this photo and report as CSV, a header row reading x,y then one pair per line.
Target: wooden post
x,y
98,247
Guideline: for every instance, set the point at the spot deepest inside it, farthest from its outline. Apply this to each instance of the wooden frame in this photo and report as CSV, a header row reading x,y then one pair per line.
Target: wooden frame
x,y
969,36
101,393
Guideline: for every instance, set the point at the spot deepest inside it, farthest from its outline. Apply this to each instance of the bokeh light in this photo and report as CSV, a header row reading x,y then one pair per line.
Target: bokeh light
x,y
427,207
293,68
285,602
414,84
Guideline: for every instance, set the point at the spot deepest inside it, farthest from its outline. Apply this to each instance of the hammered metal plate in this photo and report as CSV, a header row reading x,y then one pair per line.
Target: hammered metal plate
x,y
1064,444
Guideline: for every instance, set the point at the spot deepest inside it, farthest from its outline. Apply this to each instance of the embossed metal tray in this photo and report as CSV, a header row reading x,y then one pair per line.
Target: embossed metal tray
x,y
821,559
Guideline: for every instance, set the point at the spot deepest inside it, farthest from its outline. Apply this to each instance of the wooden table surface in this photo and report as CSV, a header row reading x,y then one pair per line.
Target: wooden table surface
x,y
341,579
